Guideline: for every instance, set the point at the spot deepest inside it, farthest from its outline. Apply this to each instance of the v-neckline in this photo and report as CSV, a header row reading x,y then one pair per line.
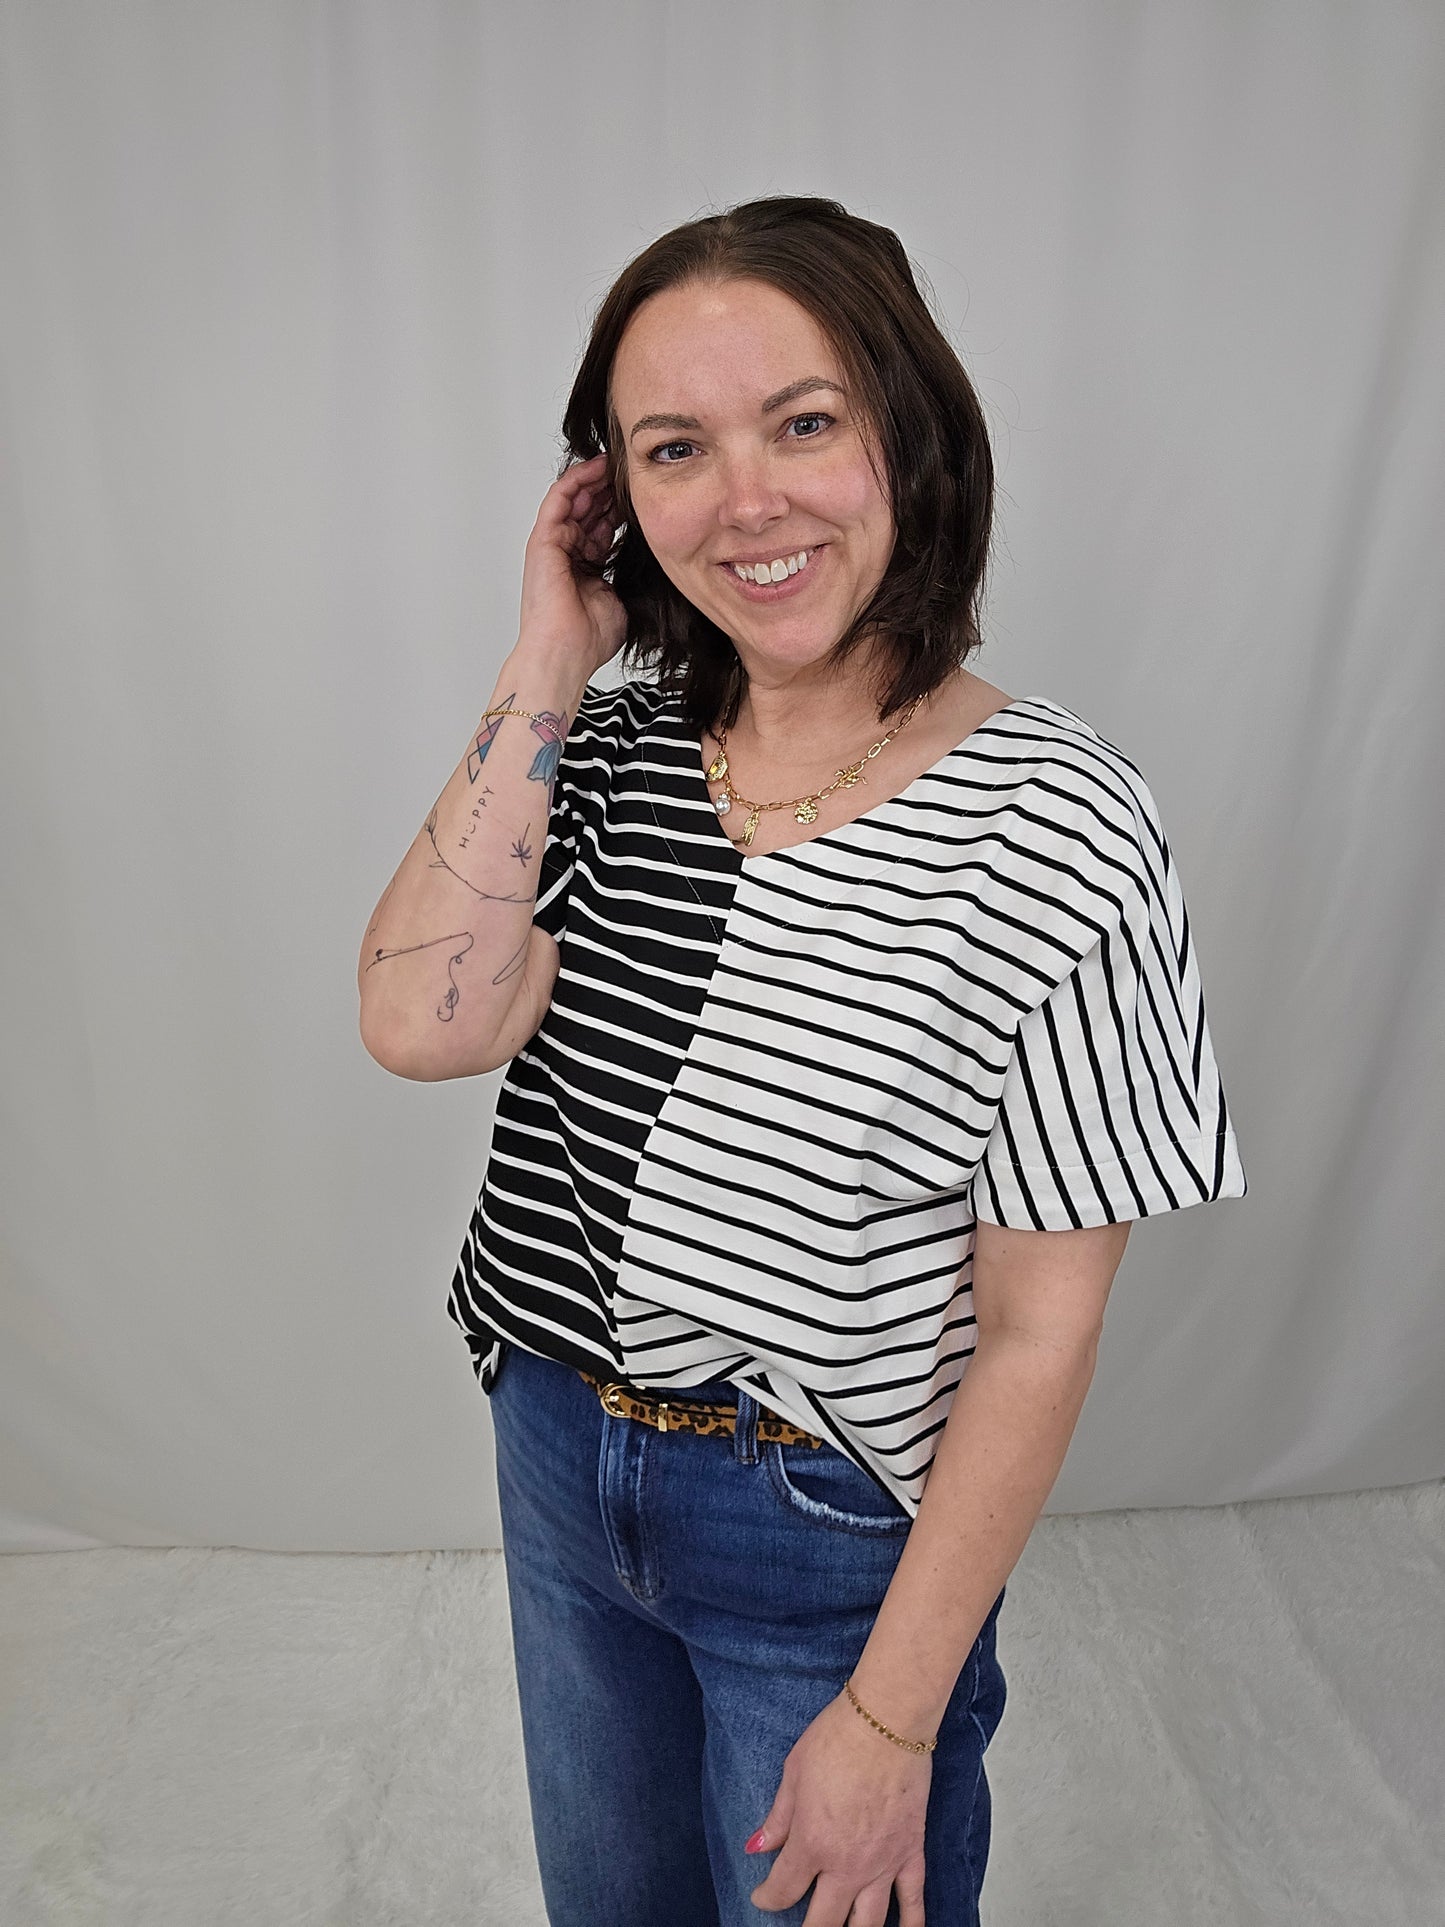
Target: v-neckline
x,y
864,817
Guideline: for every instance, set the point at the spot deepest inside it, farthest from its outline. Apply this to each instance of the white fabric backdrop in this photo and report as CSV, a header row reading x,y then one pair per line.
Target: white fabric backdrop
x,y
291,298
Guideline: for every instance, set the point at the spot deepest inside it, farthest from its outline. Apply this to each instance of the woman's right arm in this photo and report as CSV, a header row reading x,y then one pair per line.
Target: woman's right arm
x,y
453,975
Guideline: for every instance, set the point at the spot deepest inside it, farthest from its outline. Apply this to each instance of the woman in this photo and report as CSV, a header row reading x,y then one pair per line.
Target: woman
x,y
850,1014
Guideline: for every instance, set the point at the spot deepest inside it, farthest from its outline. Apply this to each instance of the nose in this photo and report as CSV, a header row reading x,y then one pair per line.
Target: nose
x,y
749,497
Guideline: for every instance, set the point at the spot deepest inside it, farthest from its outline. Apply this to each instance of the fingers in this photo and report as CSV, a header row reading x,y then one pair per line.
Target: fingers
x,y
600,505
910,1900
579,512
599,525
584,491
599,534
582,478
597,499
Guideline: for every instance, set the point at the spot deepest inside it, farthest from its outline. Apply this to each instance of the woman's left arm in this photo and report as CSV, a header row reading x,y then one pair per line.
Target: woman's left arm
x,y
1038,1297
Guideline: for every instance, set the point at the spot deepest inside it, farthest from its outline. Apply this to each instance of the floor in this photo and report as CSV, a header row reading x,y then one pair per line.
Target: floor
x,y
1231,1716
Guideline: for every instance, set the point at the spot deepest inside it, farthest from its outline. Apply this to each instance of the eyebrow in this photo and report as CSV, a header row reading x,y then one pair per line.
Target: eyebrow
x,y
794,389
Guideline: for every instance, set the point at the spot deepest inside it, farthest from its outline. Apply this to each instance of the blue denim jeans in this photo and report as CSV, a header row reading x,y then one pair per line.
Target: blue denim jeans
x,y
683,1605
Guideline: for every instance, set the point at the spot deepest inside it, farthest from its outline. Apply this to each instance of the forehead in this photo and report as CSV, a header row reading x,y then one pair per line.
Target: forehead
x,y
718,341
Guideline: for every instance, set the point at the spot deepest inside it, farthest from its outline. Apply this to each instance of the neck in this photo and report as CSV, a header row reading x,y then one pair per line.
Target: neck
x,y
790,715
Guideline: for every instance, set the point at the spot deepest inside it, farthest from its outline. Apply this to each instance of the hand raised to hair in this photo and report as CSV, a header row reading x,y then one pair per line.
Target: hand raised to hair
x,y
564,607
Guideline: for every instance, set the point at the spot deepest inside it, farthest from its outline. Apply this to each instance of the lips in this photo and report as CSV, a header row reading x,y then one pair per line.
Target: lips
x,y
763,595
810,549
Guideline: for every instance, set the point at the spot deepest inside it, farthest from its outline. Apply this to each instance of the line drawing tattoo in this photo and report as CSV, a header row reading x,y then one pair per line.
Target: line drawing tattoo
x,y
551,727
440,863
449,1003
514,962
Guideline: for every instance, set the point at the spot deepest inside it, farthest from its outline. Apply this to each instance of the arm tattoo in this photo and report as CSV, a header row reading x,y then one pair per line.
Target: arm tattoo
x,y
549,725
449,1003
440,863
514,962
551,729
485,738
477,808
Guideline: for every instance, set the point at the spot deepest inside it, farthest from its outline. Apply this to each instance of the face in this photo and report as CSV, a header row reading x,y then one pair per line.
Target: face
x,y
742,446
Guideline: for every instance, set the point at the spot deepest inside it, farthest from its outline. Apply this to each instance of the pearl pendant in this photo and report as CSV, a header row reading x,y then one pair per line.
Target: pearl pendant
x,y
723,804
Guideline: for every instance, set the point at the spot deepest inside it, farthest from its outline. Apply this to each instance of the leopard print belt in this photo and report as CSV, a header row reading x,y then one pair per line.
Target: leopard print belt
x,y
689,1415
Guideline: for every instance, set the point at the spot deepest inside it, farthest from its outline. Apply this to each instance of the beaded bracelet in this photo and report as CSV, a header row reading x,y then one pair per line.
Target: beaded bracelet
x,y
913,1746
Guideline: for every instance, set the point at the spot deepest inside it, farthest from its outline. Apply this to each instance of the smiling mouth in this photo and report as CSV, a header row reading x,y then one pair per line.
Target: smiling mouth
x,y
775,571
761,584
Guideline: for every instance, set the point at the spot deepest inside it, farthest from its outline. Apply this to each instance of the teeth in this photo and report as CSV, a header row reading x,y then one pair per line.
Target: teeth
x,y
774,571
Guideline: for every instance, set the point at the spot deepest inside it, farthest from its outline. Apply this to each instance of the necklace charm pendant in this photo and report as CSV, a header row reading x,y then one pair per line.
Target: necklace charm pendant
x,y
750,826
853,775
807,811
723,804
718,766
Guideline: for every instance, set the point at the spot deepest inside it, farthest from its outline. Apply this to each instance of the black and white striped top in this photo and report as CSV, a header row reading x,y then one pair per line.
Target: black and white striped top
x,y
772,1094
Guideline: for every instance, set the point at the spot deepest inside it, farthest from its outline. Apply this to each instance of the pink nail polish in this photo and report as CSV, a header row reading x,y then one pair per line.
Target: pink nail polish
x,y
755,1844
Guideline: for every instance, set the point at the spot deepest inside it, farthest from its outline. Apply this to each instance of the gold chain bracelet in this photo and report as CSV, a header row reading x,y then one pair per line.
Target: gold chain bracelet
x,y
913,1746
499,711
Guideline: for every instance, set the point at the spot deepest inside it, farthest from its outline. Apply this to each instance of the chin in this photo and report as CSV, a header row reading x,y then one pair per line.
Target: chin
x,y
793,651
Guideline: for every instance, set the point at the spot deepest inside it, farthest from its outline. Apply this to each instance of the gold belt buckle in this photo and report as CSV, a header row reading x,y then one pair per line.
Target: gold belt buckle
x,y
611,1396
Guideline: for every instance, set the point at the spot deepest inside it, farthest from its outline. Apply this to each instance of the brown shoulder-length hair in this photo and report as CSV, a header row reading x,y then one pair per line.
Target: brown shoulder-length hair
x,y
919,409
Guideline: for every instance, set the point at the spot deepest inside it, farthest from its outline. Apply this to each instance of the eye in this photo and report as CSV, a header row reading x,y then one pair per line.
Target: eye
x,y
661,456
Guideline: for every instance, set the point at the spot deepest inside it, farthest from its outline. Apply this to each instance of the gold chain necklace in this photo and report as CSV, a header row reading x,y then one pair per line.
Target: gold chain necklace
x,y
804,808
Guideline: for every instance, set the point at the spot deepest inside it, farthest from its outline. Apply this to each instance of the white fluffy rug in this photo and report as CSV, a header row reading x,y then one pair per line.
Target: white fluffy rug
x,y
1230,1716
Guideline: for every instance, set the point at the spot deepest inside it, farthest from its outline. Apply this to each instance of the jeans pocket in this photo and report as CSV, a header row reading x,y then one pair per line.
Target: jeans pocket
x,y
820,1483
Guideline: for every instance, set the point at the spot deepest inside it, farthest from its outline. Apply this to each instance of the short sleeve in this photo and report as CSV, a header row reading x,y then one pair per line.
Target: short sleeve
x,y
1112,1105
604,721
559,859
